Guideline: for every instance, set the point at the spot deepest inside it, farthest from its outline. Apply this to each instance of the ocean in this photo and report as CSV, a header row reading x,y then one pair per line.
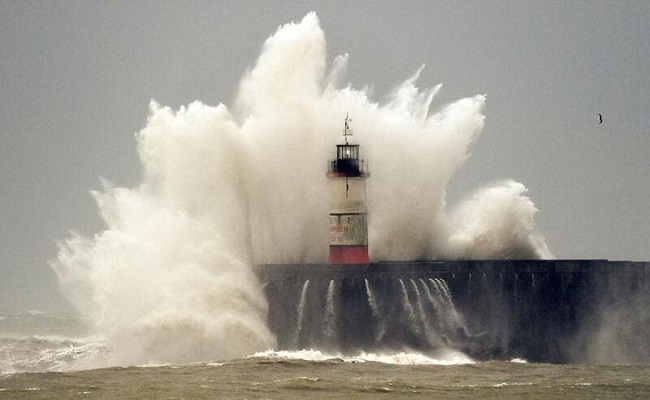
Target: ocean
x,y
52,356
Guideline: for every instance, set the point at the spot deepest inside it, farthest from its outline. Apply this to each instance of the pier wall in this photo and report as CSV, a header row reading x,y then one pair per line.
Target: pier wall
x,y
539,310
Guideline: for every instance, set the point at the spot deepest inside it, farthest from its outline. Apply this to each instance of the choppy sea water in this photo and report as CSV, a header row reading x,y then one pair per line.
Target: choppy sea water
x,y
281,378
63,364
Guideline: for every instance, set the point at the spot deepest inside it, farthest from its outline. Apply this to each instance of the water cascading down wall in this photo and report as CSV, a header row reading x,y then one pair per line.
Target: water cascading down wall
x,y
538,310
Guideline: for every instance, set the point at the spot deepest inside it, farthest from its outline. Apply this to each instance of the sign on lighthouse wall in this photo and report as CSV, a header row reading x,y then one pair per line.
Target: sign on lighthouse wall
x,y
348,230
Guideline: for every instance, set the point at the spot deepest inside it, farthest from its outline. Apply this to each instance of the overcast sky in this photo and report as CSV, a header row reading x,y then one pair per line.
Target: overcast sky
x,y
76,78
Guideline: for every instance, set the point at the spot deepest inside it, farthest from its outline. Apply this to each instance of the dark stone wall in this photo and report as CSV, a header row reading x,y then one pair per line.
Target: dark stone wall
x,y
546,311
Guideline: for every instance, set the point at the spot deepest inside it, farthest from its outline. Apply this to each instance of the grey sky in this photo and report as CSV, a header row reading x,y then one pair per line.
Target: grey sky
x,y
76,79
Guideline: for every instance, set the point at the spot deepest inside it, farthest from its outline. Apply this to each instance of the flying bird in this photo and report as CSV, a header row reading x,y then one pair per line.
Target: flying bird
x,y
600,119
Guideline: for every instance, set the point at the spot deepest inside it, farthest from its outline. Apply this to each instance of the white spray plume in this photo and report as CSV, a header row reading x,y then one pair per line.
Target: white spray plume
x,y
169,279
496,223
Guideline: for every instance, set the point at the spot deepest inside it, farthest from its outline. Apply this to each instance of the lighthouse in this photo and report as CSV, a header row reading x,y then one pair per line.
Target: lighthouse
x,y
348,213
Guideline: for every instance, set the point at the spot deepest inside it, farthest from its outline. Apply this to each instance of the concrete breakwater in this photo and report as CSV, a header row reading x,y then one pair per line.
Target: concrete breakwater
x,y
539,310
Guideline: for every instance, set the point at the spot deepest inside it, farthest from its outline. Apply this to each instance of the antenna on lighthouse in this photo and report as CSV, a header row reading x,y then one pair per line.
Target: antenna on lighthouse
x,y
347,131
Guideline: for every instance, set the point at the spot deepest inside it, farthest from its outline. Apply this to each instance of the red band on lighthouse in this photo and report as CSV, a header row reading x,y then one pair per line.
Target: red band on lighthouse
x,y
349,255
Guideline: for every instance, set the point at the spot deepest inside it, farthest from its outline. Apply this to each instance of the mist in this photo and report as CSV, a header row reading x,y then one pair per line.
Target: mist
x,y
169,278
614,330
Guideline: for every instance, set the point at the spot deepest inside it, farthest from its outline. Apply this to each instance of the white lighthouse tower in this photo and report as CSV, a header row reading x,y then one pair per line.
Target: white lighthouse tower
x,y
348,213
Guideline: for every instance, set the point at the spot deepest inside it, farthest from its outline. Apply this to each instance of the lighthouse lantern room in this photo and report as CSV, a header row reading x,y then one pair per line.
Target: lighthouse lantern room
x,y
348,213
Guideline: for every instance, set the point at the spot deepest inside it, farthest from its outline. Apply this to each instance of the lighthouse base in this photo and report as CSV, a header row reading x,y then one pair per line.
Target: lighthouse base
x,y
349,255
